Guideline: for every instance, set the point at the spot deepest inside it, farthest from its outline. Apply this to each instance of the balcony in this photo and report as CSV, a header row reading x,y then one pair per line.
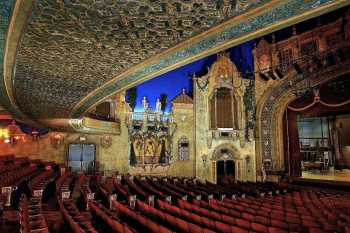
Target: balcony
x,y
148,118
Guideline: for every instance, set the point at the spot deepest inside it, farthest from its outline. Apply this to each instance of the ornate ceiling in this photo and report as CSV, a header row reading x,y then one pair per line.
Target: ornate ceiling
x,y
74,53
72,47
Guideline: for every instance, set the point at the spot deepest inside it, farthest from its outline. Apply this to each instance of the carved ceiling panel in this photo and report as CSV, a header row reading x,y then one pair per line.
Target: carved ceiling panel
x,y
71,47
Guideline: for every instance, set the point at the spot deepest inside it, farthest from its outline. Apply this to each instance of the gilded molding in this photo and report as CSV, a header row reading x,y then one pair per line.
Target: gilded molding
x,y
14,16
258,22
83,125
89,125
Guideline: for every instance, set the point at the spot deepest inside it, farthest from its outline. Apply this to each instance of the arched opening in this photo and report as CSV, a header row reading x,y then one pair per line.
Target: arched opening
x,y
223,107
316,138
275,151
226,164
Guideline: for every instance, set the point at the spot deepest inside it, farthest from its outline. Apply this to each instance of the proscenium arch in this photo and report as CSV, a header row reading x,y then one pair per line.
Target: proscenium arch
x,y
260,21
269,127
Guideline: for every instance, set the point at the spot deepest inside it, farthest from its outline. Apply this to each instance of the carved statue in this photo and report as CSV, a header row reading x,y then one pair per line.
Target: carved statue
x,y
144,104
138,146
263,173
150,147
137,143
158,105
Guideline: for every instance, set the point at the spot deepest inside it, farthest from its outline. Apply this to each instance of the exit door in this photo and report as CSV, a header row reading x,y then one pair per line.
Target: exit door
x,y
81,157
225,172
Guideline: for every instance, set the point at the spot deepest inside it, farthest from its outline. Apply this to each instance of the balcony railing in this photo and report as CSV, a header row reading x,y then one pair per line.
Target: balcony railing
x,y
149,117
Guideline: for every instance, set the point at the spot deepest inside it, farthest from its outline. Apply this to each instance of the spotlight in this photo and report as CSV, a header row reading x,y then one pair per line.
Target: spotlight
x,y
297,68
278,73
263,76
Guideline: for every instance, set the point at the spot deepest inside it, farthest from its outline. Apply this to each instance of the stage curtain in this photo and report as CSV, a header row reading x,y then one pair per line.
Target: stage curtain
x,y
294,149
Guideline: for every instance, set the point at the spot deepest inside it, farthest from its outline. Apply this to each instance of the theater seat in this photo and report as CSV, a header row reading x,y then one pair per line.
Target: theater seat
x,y
248,217
276,230
243,223
263,220
315,230
258,227
222,227
235,229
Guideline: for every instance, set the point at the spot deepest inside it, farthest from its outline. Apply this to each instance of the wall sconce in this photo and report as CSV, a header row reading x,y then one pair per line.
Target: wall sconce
x,y
106,141
35,134
12,134
57,140
205,159
82,138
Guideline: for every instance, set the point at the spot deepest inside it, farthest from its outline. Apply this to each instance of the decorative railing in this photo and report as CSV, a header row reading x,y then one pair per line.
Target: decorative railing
x,y
330,56
149,117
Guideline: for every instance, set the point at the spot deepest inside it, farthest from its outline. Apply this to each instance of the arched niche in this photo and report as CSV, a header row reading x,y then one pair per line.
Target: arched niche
x,y
226,152
225,108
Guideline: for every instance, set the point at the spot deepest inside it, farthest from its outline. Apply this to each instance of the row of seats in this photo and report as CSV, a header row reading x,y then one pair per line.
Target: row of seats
x,y
185,205
39,182
263,216
144,223
109,218
31,217
78,223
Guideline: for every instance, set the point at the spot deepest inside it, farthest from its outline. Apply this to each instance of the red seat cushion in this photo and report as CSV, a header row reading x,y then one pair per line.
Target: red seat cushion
x,y
278,223
243,223
248,217
259,227
238,230
293,220
309,223
263,213
276,230
263,220
277,215
221,227
315,230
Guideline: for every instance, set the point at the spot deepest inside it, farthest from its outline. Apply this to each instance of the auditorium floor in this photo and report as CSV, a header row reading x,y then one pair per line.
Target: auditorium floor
x,y
343,175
